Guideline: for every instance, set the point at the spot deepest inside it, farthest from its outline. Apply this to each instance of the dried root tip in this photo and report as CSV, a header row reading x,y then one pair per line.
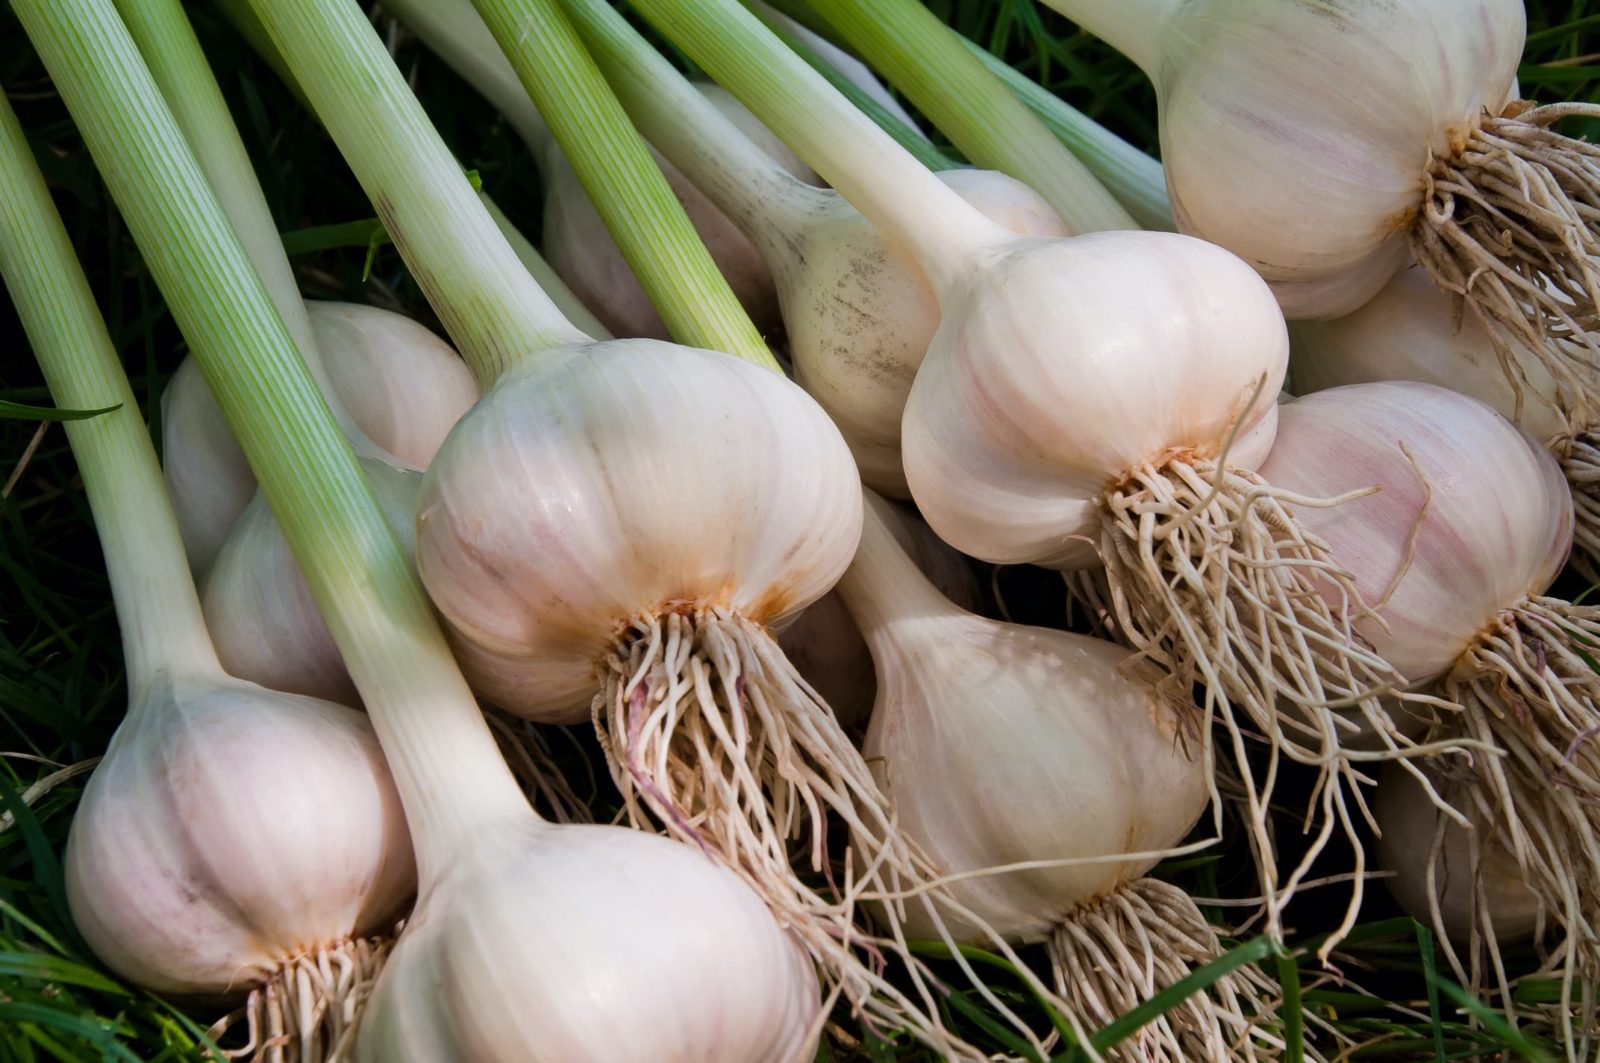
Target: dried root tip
x,y
1122,950
1511,224
1580,460
526,748
1528,690
308,1010
712,736
1209,574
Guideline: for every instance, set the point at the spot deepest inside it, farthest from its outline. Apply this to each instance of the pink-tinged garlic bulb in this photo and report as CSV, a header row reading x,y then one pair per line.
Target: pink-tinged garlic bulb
x,y
1400,122
1454,554
1444,874
1067,758
260,611
1412,331
236,840
402,386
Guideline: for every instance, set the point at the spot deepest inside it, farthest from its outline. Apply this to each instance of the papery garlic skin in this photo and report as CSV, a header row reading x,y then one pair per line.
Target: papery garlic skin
x,y
1296,134
542,938
1066,364
259,609
583,253
404,387
1410,331
1407,819
726,485
861,315
193,868
1498,522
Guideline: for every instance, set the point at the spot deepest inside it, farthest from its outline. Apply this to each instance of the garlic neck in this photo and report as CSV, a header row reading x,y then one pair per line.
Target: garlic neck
x,y
766,201
883,584
453,30
1132,27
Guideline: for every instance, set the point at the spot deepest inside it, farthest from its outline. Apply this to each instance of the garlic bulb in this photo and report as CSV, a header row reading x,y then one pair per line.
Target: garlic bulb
x,y
1471,876
261,613
825,645
1454,552
237,839
534,626
539,938
1000,745
1469,520
1328,147
404,386
570,549
1409,331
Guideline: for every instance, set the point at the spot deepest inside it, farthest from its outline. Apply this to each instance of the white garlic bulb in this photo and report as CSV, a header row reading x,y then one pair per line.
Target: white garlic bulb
x,y
751,504
1006,745
539,937
404,387
1071,364
1251,134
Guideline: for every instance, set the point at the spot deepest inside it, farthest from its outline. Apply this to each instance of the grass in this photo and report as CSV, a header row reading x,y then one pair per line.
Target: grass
x,y
61,682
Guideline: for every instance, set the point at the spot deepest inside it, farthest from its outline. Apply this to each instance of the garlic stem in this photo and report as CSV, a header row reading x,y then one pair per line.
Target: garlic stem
x,y
454,32
1132,27
570,305
815,50
493,310
884,181
445,763
626,186
883,582
527,122
158,610
1136,179
925,59
168,44
768,203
